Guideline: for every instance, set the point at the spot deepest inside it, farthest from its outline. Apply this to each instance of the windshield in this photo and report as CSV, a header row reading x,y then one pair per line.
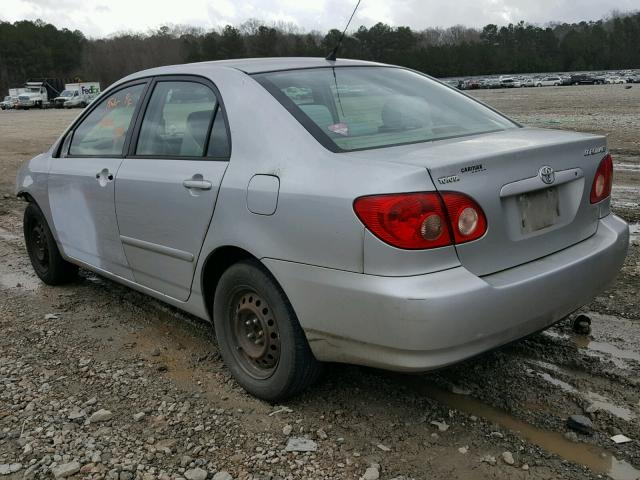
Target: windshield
x,y
66,93
355,108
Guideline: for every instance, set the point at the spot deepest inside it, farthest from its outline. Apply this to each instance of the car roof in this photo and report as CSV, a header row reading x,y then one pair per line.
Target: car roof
x,y
269,64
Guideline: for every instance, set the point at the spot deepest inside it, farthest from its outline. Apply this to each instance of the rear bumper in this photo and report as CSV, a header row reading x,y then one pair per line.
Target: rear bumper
x,y
428,321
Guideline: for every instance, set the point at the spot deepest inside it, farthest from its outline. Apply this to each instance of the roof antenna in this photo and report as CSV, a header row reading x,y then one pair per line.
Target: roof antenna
x,y
332,55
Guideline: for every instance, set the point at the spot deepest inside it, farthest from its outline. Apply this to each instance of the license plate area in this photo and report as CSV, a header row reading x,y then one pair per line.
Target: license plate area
x,y
539,209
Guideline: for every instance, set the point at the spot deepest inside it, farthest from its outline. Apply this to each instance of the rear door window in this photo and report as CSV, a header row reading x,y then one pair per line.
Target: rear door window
x,y
177,120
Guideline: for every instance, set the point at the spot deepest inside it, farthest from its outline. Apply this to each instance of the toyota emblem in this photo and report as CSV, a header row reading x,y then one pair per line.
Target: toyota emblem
x,y
547,175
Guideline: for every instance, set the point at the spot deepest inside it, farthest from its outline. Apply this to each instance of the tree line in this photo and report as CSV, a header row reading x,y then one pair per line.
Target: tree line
x,y
38,49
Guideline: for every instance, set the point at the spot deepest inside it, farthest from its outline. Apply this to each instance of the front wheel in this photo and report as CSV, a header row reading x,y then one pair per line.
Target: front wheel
x,y
259,336
43,251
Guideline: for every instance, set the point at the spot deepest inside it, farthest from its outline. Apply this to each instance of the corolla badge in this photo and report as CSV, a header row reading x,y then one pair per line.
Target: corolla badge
x,y
546,174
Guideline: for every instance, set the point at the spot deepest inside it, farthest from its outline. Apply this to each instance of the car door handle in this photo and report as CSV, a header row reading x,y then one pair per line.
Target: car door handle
x,y
197,184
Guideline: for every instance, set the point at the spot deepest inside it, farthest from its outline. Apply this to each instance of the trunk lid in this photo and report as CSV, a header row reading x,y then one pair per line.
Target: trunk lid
x,y
527,218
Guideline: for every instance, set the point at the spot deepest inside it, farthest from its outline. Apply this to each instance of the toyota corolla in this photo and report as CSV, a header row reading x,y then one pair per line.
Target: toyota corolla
x,y
326,211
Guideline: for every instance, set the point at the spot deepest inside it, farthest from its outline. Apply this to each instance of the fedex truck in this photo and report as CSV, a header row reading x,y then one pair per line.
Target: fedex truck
x,y
77,95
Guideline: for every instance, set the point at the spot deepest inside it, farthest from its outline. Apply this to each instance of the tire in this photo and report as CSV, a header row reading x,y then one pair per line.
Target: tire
x,y
259,336
43,251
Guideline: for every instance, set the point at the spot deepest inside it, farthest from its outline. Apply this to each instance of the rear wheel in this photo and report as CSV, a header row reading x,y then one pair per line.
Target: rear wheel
x,y
259,336
43,250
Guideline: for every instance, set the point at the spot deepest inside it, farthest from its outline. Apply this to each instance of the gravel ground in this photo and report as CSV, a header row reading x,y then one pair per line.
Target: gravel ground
x,y
98,381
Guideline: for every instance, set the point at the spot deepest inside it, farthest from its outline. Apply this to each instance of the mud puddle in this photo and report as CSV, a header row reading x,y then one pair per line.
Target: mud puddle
x,y
595,458
610,335
595,399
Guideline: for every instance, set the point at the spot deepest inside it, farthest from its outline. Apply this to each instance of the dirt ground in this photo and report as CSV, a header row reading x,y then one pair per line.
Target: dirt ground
x,y
68,352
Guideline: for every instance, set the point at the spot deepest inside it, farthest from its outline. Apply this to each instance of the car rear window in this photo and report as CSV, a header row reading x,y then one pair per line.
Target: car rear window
x,y
357,108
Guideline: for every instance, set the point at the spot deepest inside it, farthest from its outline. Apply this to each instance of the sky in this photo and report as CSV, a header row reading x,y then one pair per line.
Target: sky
x,y
100,18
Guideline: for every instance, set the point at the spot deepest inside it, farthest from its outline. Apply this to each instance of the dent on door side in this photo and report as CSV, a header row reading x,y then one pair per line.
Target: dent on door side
x,y
262,194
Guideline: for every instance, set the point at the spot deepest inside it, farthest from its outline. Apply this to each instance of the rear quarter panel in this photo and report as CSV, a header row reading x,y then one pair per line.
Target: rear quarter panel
x,y
314,222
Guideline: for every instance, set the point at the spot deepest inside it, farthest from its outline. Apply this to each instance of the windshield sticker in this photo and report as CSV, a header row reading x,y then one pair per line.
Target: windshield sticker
x,y
339,128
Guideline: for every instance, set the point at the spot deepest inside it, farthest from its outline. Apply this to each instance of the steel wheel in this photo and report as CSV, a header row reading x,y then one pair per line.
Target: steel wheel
x,y
43,252
39,247
255,335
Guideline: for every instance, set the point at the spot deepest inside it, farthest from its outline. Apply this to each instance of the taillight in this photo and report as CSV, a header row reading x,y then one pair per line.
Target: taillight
x,y
603,180
467,218
417,221
407,220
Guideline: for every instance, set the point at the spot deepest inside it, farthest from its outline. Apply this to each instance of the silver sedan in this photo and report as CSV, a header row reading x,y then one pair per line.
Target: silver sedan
x,y
326,211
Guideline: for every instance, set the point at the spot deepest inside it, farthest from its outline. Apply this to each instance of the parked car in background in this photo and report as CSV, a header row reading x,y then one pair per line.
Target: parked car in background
x,y
584,79
549,82
615,80
8,102
509,82
398,224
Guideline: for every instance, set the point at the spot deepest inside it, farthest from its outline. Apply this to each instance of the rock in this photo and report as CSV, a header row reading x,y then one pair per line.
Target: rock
x,y
619,438
195,474
442,426
66,470
571,436
101,415
87,468
371,473
460,390
287,429
581,325
384,448
76,414
298,444
525,467
464,450
51,316
138,416
155,352
222,475
507,457
9,468
580,424
490,459
322,435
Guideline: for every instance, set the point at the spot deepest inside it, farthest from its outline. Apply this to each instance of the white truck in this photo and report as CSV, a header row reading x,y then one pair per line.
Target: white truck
x,y
36,94
77,95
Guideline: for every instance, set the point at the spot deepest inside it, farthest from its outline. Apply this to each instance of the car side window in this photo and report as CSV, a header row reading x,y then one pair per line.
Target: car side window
x,y
177,120
103,131
219,146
